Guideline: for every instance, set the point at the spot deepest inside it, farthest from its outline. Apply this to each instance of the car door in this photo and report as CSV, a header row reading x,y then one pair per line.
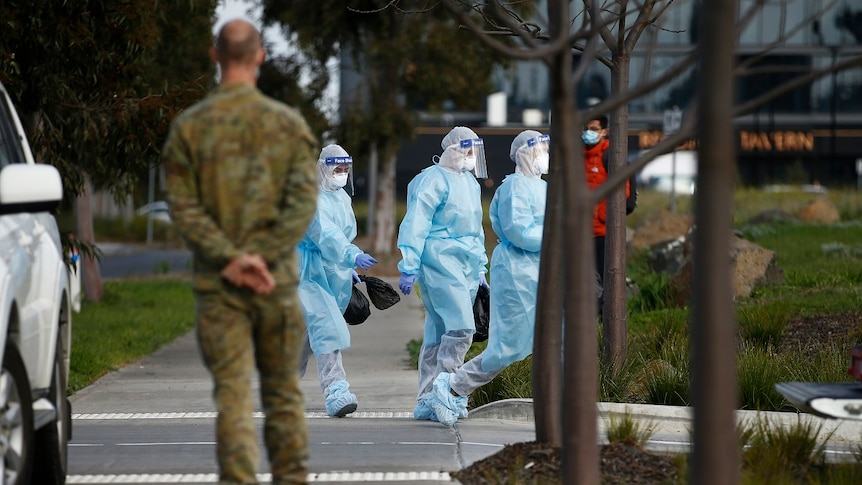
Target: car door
x,y
21,239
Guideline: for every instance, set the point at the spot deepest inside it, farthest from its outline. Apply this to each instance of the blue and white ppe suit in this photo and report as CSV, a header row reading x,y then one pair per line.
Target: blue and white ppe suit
x,y
517,215
442,242
327,258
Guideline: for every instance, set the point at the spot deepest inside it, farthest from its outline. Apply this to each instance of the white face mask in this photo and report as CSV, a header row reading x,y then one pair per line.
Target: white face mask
x,y
469,164
540,164
339,179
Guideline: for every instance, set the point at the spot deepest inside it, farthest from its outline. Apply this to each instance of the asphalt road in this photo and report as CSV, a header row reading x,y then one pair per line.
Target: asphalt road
x,y
153,421
121,261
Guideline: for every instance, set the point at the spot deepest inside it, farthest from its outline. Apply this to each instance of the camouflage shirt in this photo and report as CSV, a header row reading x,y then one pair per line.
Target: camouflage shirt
x,y
241,178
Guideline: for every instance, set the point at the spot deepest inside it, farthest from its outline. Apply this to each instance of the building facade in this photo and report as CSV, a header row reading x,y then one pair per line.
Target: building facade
x,y
811,134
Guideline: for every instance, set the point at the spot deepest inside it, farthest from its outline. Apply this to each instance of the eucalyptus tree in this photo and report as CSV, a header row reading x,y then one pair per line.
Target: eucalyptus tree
x,y
404,57
97,83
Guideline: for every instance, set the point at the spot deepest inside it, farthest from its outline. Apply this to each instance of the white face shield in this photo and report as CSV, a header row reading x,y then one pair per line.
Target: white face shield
x,y
540,153
473,151
338,174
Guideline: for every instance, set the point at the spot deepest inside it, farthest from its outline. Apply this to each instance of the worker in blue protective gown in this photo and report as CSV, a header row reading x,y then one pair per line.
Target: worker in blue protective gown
x,y
327,258
517,216
442,246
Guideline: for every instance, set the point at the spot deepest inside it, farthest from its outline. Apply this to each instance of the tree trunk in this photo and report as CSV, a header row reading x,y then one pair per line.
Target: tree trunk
x,y
92,276
373,177
715,457
580,452
547,341
614,327
580,368
384,214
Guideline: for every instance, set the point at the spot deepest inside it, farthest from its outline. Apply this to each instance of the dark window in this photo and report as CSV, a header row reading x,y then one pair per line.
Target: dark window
x,y
10,145
773,71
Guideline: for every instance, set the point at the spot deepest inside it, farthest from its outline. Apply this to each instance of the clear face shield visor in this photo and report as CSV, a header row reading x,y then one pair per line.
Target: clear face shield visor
x,y
539,146
337,170
476,148
534,155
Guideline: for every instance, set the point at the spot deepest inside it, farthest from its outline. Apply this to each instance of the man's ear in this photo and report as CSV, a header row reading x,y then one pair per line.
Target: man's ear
x,y
214,55
260,56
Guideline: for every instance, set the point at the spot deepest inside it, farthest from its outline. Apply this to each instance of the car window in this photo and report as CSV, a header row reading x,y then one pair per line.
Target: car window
x,y
10,145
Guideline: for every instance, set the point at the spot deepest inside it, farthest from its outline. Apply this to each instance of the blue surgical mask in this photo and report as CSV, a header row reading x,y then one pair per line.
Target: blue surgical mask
x,y
590,137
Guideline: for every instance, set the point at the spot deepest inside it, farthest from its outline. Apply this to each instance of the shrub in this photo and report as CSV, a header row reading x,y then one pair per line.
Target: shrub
x,y
781,454
625,429
758,370
763,325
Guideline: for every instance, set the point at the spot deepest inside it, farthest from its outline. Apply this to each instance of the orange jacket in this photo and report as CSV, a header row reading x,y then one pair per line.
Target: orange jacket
x,y
596,175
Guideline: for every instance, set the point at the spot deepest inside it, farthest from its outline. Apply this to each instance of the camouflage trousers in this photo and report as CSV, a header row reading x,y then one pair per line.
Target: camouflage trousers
x,y
238,331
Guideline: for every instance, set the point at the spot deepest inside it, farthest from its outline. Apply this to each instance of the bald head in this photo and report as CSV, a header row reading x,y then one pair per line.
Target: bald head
x,y
238,42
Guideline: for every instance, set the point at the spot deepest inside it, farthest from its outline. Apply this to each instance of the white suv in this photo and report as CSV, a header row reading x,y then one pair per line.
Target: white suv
x,y
35,314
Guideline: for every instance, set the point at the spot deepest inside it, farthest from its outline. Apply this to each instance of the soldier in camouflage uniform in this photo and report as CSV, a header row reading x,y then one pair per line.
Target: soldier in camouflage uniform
x,y
242,186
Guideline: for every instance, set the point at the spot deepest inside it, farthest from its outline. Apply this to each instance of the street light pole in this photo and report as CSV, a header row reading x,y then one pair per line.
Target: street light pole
x,y
834,105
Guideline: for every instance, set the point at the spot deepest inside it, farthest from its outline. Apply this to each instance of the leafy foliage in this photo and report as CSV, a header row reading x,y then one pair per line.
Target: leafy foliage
x,y
407,55
279,79
98,82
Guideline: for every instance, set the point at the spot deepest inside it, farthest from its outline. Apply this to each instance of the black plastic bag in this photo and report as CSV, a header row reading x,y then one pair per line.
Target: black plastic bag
x,y
359,309
381,293
482,313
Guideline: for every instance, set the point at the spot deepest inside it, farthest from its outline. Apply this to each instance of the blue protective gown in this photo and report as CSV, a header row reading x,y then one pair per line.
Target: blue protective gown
x,y
326,260
517,215
442,242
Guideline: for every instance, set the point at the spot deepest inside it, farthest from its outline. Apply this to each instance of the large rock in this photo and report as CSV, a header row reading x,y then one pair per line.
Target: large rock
x,y
822,210
750,266
658,227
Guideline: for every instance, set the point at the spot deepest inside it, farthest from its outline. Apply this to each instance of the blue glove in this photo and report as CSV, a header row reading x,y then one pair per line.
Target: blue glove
x,y
365,261
483,281
406,282
356,277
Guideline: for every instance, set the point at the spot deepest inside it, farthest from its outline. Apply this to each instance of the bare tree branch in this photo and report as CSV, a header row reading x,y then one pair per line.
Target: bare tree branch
x,y
687,129
641,23
643,88
536,51
392,3
589,52
802,25
669,144
591,6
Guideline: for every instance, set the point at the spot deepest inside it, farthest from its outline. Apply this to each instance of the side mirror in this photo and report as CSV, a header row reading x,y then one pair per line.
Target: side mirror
x,y
28,187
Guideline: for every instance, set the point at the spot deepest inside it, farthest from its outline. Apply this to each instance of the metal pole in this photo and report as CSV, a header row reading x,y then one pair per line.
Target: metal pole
x,y
834,106
372,189
673,183
151,192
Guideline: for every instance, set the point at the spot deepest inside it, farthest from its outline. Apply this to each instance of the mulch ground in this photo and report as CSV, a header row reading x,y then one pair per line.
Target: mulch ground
x,y
540,464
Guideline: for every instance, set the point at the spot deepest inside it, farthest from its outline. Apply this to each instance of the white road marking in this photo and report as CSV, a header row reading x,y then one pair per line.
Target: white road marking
x,y
324,443
212,415
165,443
366,477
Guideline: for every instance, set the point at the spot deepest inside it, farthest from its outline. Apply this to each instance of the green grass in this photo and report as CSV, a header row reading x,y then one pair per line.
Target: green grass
x,y
135,318
777,454
823,276
626,430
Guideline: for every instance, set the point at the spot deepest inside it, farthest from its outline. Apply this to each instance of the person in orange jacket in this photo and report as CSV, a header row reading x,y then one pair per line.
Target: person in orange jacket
x,y
596,143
